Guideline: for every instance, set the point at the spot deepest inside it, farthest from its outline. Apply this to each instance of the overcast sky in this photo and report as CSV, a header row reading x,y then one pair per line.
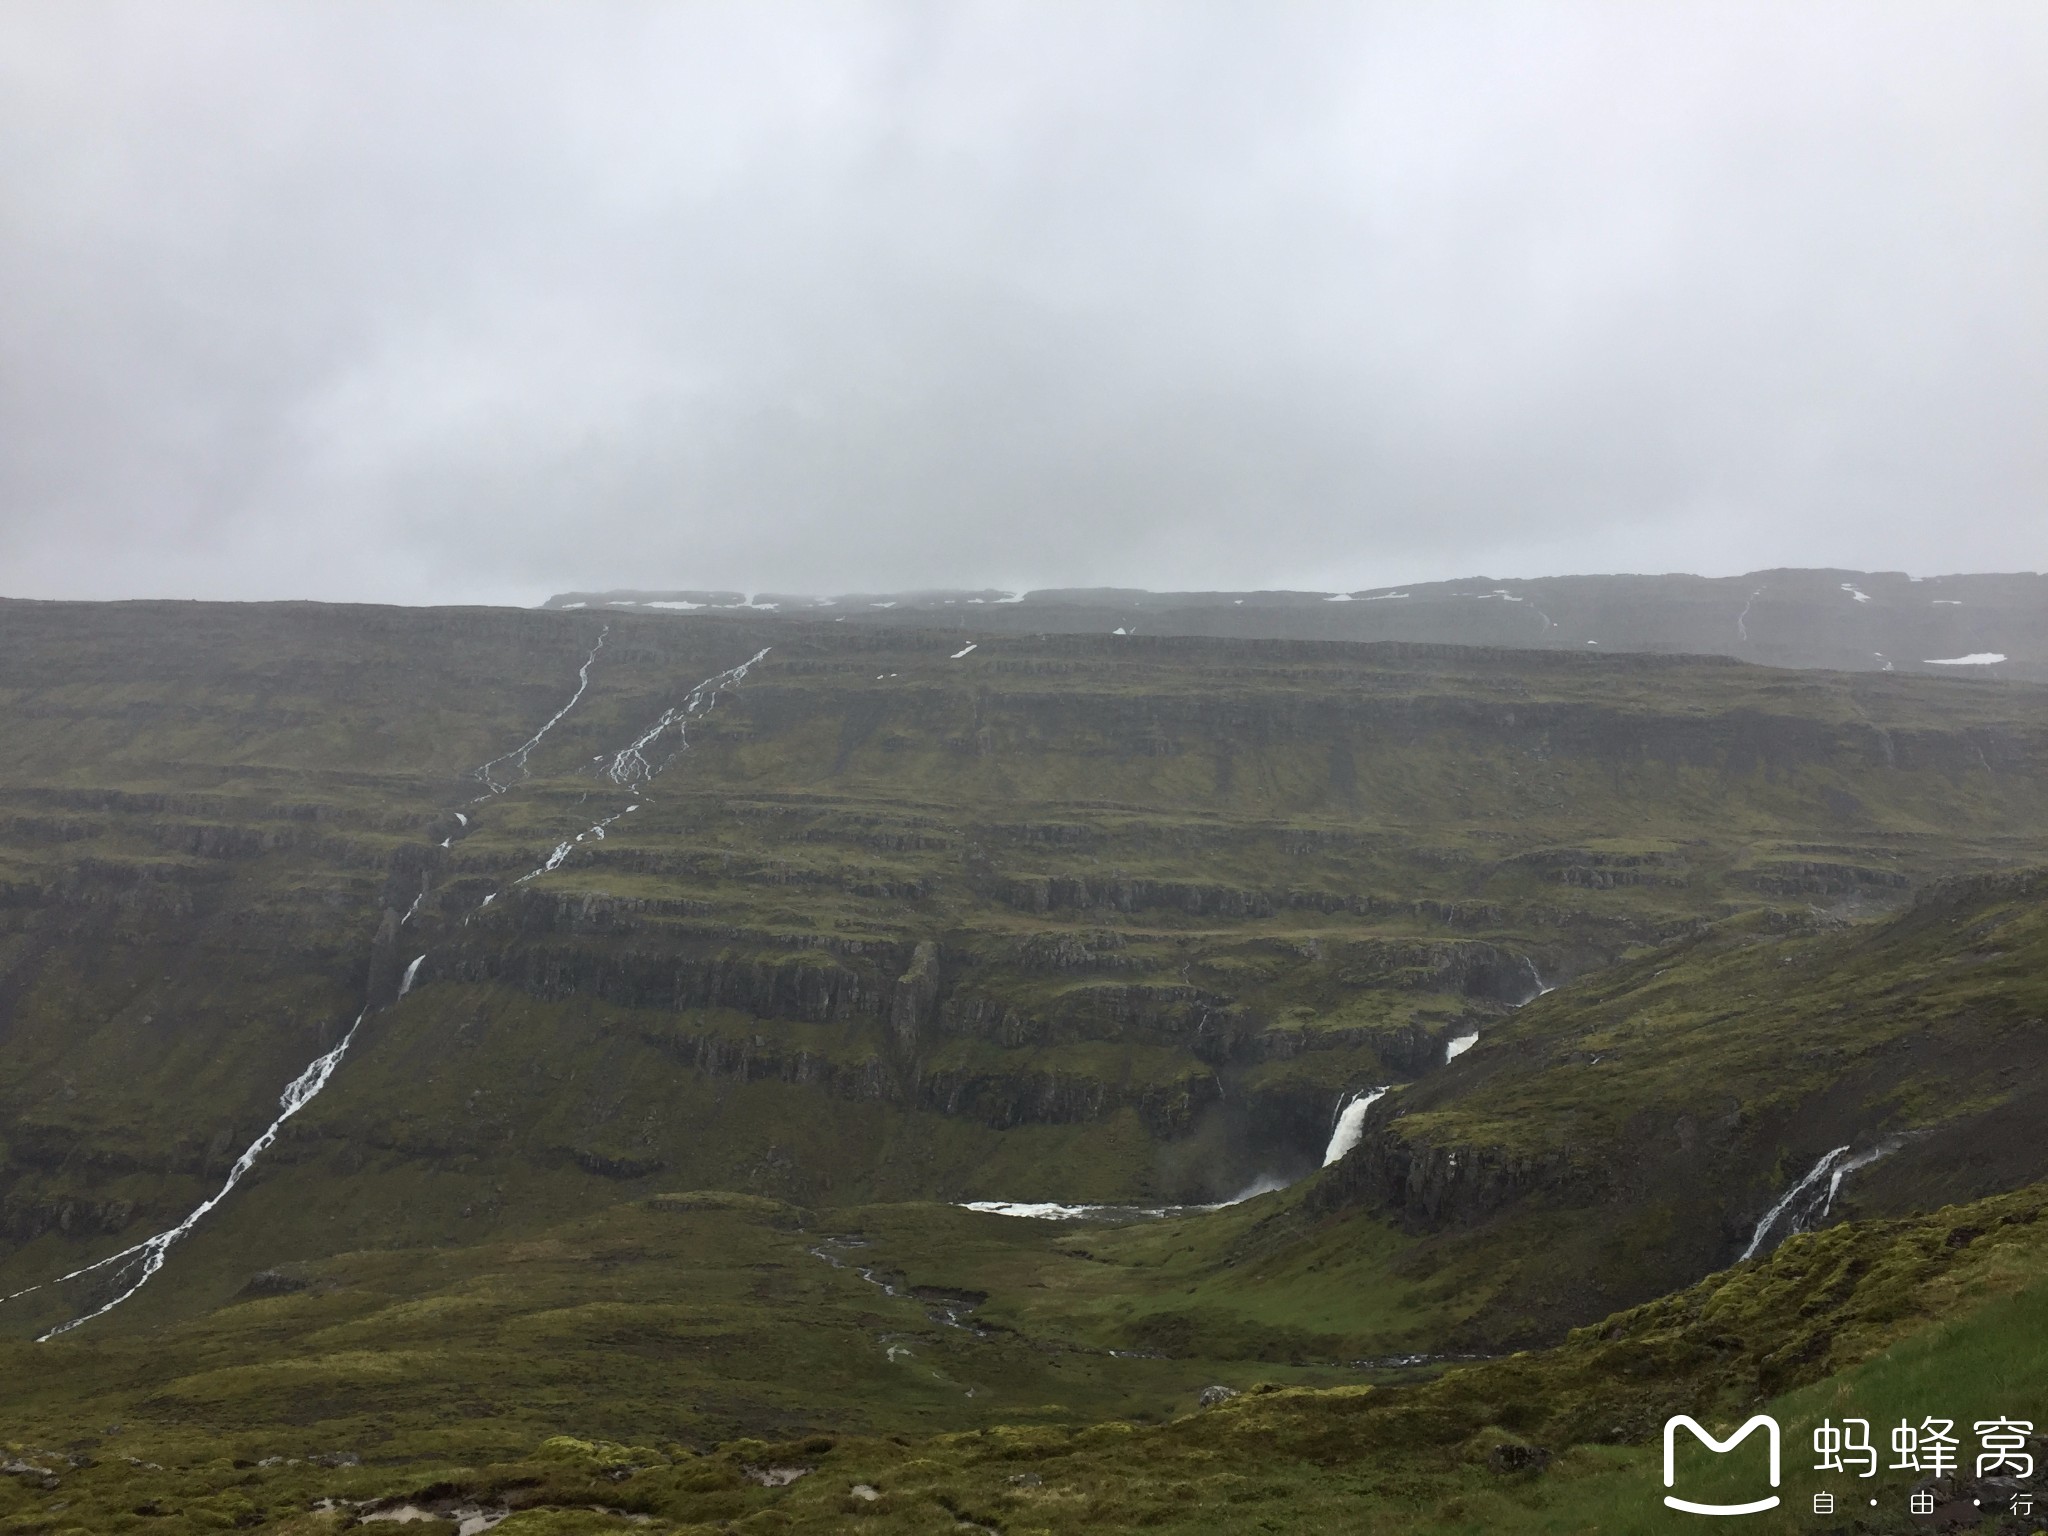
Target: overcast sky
x,y
436,302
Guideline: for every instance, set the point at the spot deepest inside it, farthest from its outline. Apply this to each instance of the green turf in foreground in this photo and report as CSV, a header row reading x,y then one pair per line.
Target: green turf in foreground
x,y
546,1374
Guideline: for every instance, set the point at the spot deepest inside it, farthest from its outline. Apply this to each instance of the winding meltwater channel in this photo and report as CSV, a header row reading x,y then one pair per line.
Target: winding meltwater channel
x,y
135,1266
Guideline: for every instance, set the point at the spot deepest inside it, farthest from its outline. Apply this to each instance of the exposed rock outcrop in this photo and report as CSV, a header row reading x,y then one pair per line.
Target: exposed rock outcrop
x,y
917,990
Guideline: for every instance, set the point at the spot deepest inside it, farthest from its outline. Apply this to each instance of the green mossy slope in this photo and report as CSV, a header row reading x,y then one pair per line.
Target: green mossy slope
x,y
645,1188
1631,1130
336,1392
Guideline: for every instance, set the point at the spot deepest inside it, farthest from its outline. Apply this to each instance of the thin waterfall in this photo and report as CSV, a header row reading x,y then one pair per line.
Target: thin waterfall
x,y
1861,1160
149,1253
147,1257
631,765
1820,1171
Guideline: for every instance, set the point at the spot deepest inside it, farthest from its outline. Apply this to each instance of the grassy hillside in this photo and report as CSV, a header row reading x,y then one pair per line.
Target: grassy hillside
x,y
1620,1136
1176,897
891,923
554,1375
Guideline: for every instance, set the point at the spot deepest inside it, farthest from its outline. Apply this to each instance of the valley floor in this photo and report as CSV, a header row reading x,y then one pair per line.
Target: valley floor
x,y
719,1362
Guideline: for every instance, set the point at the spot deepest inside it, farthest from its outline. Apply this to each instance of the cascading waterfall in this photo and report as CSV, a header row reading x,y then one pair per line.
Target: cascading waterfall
x,y
147,1256
1742,618
149,1253
1861,1160
564,848
518,754
1351,1122
1458,1045
1805,1204
1820,1171
630,765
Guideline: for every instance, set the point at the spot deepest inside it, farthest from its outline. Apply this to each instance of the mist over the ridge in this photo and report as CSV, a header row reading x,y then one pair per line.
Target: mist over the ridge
x,y
468,302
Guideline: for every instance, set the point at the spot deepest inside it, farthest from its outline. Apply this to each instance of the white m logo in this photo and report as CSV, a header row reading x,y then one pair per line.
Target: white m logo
x,y
1762,1420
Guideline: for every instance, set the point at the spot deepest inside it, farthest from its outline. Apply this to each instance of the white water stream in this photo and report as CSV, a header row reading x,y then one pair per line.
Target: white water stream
x,y
1820,1171
147,1256
1053,1210
565,848
1351,1123
149,1253
518,754
1802,1207
630,764
1861,1160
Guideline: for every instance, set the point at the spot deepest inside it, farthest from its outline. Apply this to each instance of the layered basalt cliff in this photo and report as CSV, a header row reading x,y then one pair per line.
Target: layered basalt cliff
x,y
882,892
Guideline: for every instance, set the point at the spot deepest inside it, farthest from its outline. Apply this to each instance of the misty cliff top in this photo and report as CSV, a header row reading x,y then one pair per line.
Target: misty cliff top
x,y
1868,621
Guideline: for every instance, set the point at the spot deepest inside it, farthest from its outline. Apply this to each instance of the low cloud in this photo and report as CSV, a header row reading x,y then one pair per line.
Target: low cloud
x,y
452,302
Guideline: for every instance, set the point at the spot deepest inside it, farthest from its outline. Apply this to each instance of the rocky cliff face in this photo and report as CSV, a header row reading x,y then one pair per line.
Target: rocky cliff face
x,y
916,993
1431,1188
